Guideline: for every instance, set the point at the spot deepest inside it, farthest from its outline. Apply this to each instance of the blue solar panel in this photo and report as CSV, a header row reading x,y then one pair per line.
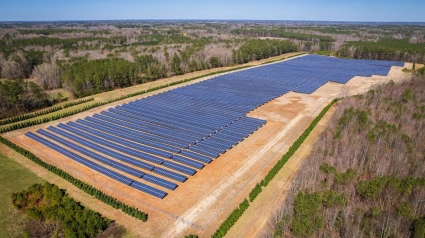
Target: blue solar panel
x,y
187,127
107,172
92,155
187,161
159,181
101,149
169,174
148,189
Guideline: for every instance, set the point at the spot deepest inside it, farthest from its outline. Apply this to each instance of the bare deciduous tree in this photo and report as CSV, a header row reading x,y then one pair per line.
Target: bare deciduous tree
x,y
47,75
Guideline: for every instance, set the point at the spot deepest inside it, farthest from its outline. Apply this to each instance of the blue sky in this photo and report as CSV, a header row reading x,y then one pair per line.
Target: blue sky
x,y
329,10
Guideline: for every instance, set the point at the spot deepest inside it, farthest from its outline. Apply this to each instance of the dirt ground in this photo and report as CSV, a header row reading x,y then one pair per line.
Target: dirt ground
x,y
199,205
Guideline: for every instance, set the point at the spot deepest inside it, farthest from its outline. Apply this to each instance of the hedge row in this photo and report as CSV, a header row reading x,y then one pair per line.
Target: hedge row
x,y
231,219
237,213
254,193
98,104
43,112
51,118
71,104
270,175
113,202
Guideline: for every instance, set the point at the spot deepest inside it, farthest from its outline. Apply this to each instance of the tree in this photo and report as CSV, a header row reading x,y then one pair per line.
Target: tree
x,y
16,66
215,62
47,76
166,54
176,65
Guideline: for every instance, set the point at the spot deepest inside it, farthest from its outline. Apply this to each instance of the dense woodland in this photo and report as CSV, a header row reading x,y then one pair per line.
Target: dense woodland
x,y
20,96
366,174
52,213
85,58
385,49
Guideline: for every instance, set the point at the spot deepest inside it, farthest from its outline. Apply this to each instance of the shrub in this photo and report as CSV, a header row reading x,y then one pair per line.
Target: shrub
x,y
331,198
254,193
419,228
375,211
371,189
404,209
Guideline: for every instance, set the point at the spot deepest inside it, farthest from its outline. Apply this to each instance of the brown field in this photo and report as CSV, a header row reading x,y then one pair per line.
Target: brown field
x,y
199,205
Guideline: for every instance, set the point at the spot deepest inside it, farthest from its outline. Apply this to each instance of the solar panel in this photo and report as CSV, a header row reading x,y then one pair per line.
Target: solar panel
x,y
185,128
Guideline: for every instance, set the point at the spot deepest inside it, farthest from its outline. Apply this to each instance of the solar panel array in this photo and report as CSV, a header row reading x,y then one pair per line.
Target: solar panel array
x,y
156,143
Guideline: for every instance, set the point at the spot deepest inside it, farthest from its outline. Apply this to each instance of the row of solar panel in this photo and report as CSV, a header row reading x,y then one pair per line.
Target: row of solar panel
x,y
83,139
73,127
105,171
134,121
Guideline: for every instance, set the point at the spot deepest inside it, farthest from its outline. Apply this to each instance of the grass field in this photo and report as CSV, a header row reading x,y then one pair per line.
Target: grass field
x,y
14,178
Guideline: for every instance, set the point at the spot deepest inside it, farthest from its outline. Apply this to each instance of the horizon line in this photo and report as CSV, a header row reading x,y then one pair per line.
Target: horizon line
x,y
182,19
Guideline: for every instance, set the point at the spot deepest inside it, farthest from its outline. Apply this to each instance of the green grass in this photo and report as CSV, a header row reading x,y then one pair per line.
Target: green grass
x,y
13,178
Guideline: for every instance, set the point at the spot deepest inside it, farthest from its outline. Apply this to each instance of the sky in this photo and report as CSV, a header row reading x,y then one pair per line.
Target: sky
x,y
315,10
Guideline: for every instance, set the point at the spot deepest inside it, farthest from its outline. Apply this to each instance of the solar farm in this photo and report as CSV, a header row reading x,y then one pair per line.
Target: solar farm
x,y
155,145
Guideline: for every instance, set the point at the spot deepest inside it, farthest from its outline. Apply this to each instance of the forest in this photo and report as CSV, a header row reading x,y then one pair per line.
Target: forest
x,y
20,96
365,175
385,49
261,49
52,213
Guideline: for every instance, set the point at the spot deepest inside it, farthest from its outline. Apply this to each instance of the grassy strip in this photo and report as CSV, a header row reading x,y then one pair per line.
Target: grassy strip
x,y
43,112
238,212
71,104
14,178
109,200
272,61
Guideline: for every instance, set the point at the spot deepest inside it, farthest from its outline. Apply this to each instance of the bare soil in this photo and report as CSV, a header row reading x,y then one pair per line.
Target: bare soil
x,y
199,205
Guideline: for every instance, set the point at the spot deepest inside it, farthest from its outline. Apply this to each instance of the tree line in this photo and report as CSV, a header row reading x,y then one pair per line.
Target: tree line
x,y
48,203
281,33
384,49
17,96
43,112
52,31
91,77
260,49
19,64
86,77
68,43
